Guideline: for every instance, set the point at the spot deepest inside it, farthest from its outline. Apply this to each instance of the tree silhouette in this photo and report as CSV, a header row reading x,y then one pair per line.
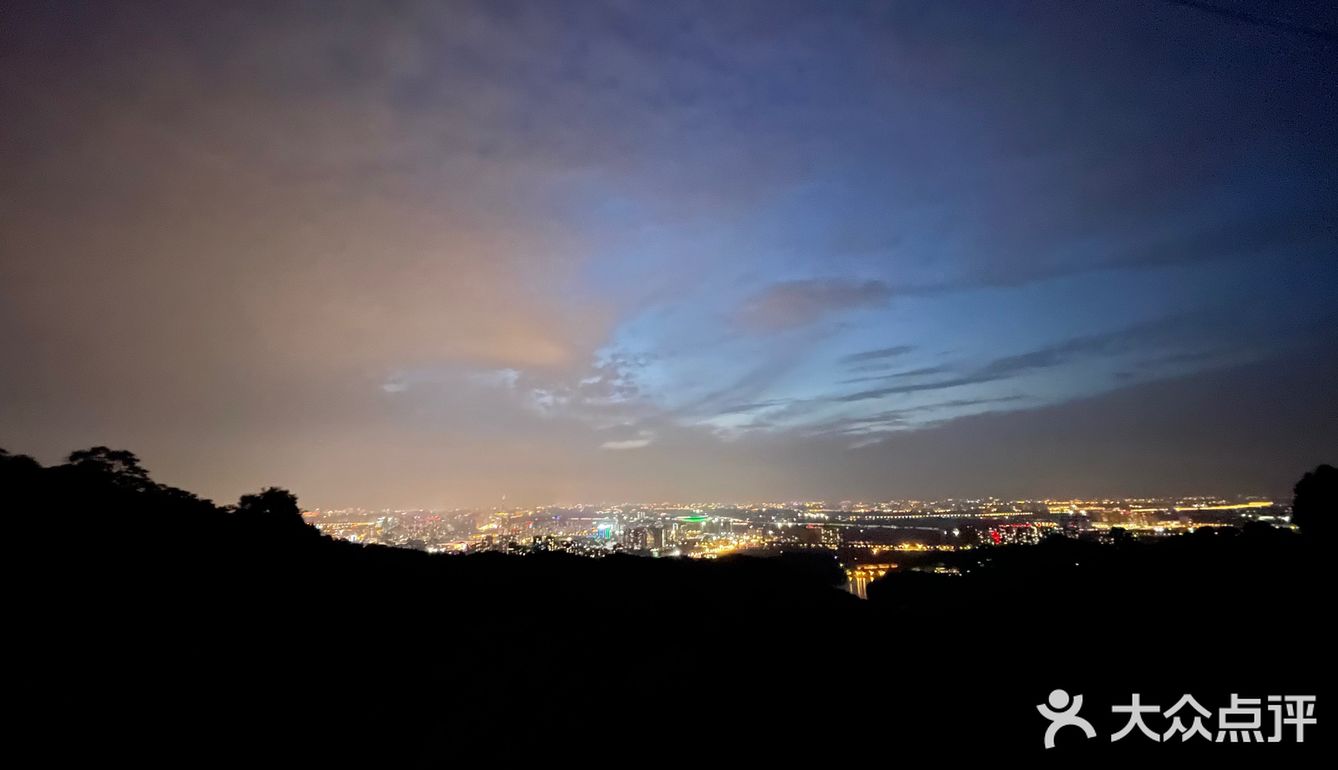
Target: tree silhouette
x,y
274,509
16,460
122,466
1316,502
17,473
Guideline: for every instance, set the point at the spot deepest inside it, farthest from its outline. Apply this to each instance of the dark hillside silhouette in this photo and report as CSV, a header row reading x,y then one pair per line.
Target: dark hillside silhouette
x,y
161,623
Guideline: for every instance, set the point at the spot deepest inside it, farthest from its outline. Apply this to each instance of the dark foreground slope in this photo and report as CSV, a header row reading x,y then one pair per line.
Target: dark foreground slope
x,y
157,628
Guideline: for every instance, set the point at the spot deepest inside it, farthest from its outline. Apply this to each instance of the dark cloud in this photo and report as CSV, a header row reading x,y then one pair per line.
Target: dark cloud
x,y
944,384
1140,337
920,372
877,355
794,304
1179,329
1221,430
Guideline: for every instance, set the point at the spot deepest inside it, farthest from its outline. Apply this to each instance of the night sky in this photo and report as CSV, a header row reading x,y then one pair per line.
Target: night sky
x,y
431,254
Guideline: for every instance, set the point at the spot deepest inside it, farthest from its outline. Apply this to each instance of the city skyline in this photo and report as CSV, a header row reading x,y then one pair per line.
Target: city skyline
x,y
867,542
692,250
1231,501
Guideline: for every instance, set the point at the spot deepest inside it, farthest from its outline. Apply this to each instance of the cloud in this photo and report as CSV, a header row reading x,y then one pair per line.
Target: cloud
x,y
1143,337
1223,430
753,407
911,417
944,384
920,372
877,355
1171,331
635,443
793,304
639,438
